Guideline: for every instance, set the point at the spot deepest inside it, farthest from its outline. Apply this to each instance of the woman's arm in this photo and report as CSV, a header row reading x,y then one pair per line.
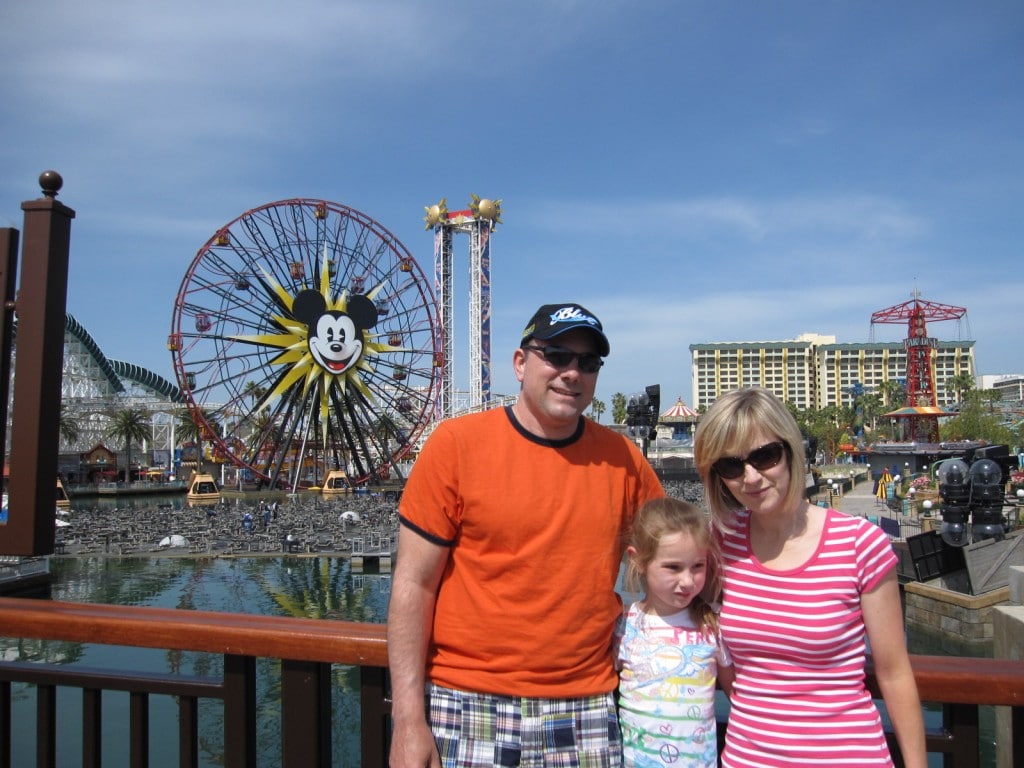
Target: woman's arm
x,y
883,619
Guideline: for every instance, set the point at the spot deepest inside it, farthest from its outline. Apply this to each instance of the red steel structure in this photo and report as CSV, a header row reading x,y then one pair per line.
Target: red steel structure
x,y
915,313
920,386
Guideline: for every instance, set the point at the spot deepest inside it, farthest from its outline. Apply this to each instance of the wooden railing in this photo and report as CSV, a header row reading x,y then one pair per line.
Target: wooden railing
x,y
307,648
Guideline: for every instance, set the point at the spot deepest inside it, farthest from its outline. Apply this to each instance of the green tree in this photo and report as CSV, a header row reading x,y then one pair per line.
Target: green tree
x,y
254,391
597,407
186,429
975,423
960,385
618,408
873,407
194,430
826,425
802,415
991,396
893,393
69,427
127,426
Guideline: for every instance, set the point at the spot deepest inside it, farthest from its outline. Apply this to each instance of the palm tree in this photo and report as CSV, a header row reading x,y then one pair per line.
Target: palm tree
x,y
618,408
597,407
128,425
960,385
189,428
254,391
893,393
873,407
69,427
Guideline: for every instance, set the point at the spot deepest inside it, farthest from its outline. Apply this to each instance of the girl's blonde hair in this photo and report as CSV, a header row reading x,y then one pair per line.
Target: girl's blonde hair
x,y
726,430
664,517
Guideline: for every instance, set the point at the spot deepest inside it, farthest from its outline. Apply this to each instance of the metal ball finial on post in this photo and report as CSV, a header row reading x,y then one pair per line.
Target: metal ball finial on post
x,y
50,182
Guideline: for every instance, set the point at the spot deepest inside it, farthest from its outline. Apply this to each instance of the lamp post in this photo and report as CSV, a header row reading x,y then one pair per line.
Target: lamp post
x,y
642,411
955,491
986,501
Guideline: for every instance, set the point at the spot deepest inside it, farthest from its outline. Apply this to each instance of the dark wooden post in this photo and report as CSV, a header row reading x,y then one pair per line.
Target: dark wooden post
x,y
8,281
41,308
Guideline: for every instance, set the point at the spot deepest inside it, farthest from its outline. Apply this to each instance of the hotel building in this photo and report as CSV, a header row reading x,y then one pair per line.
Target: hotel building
x,y
813,371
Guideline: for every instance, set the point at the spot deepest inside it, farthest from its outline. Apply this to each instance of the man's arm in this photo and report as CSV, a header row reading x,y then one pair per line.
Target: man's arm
x,y
418,570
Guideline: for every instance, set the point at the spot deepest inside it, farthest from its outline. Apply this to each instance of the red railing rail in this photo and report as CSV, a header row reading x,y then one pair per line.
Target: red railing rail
x,y
308,647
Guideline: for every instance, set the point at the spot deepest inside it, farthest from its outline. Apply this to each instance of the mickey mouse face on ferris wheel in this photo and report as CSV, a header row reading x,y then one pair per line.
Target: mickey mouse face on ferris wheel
x,y
335,337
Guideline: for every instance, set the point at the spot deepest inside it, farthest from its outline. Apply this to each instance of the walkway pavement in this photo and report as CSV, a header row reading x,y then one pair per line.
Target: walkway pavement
x,y
860,501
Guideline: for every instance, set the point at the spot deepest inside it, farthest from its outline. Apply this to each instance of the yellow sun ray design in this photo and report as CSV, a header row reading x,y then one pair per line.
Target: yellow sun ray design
x,y
293,342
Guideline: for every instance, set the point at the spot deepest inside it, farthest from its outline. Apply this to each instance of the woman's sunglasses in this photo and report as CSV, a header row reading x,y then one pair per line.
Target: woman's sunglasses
x,y
765,457
560,358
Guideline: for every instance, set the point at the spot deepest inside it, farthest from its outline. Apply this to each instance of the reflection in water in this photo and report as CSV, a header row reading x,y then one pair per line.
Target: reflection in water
x,y
317,587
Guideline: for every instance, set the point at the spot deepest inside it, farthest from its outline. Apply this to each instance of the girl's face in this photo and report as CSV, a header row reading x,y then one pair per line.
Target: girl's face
x,y
676,573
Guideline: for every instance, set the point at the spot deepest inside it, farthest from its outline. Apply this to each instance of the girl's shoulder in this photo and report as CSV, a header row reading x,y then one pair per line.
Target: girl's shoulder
x,y
632,610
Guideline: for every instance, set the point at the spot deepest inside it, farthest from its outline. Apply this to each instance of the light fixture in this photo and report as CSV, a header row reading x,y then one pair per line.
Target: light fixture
x,y
987,500
955,493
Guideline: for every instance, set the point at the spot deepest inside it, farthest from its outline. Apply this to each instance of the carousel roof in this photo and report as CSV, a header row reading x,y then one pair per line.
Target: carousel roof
x,y
679,412
920,410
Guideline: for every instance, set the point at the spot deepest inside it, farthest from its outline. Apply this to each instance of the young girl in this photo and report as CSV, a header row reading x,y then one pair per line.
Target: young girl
x,y
669,652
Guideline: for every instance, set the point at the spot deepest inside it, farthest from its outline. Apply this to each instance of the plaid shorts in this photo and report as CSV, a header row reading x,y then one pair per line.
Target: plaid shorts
x,y
477,730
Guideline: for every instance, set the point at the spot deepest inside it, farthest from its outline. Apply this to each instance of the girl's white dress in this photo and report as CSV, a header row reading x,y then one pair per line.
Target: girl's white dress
x,y
667,673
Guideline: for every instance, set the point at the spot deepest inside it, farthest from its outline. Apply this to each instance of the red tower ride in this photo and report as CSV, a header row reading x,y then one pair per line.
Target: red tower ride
x,y
920,386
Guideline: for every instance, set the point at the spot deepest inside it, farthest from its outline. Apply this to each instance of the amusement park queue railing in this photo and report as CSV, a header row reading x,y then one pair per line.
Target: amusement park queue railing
x,y
307,649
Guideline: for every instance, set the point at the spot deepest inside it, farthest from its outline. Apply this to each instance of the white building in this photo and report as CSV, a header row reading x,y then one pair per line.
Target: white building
x,y
1011,386
813,371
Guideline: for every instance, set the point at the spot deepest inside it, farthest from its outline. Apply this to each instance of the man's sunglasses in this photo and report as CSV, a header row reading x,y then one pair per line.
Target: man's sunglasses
x,y
765,457
560,358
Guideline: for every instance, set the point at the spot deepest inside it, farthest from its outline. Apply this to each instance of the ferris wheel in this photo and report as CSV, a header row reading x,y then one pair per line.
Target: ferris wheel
x,y
304,339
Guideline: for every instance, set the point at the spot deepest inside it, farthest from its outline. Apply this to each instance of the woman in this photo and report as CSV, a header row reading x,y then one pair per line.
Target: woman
x,y
805,587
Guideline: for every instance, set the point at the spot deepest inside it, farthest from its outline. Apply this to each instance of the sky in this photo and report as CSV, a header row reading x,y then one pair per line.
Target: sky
x,y
691,171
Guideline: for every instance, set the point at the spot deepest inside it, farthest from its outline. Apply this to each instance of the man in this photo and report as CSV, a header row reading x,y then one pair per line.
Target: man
x,y
503,603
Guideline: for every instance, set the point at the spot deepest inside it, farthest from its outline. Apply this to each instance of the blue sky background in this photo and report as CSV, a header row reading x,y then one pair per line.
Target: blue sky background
x,y
691,171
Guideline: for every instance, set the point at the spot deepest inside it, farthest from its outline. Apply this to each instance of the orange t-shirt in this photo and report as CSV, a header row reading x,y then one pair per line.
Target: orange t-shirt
x,y
527,602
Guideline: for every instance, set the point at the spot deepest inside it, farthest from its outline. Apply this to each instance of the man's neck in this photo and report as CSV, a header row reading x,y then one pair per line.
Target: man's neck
x,y
538,428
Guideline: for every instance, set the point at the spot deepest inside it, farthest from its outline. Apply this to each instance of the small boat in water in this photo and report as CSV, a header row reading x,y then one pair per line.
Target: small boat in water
x,y
202,489
63,502
336,483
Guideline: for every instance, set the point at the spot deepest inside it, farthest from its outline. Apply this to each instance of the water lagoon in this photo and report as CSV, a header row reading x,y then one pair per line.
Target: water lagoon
x,y
312,587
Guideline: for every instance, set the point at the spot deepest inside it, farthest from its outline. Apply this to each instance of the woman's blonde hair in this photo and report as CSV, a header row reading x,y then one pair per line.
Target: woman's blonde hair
x,y
664,517
726,430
